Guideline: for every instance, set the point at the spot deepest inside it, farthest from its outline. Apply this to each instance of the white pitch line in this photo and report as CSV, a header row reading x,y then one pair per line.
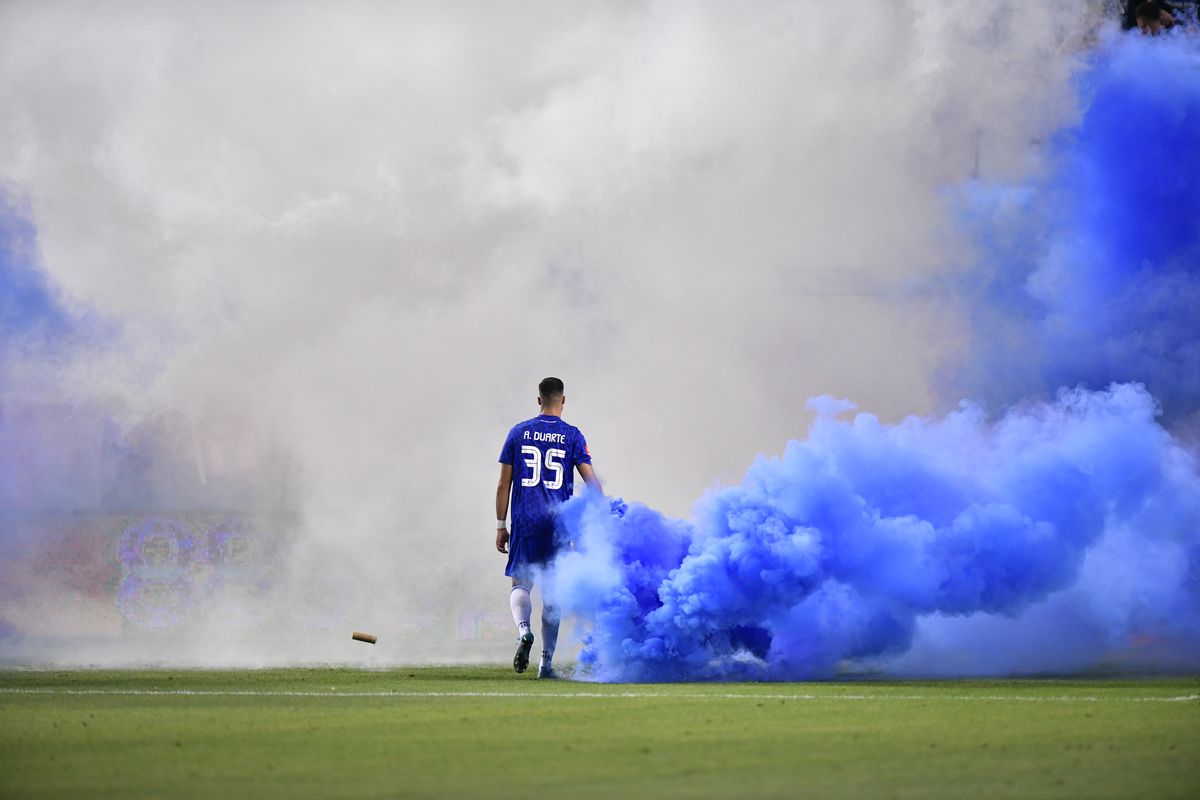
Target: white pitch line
x,y
619,695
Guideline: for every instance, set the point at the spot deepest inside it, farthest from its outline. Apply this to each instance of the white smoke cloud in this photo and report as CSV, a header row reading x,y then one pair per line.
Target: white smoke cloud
x,y
350,238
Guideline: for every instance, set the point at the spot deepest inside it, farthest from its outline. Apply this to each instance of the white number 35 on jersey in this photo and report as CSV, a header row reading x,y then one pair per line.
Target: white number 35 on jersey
x,y
553,468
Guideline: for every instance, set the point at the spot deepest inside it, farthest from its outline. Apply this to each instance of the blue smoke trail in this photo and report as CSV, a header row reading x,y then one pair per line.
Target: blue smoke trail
x,y
1075,509
31,314
42,423
38,326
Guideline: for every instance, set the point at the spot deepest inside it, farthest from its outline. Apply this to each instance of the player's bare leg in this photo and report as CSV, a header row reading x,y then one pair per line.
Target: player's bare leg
x,y
522,607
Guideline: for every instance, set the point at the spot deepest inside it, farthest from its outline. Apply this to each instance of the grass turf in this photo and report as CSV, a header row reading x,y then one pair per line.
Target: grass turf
x,y
483,732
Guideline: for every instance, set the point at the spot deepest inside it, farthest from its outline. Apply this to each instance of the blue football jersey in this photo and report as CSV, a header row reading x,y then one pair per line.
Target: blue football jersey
x,y
544,452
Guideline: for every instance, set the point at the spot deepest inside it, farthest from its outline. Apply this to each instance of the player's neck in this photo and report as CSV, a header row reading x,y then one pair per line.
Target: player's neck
x,y
551,411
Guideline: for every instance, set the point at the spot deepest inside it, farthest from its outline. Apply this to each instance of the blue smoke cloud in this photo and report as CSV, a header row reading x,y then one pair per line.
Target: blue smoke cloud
x,y
1091,277
1063,532
833,551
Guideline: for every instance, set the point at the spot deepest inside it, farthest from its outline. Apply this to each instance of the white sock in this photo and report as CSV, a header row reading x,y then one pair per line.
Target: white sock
x,y
518,601
550,620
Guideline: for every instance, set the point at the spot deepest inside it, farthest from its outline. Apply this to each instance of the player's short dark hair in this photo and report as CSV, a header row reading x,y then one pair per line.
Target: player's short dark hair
x,y
550,388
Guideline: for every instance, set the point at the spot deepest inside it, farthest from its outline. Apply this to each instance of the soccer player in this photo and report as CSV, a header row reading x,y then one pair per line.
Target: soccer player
x,y
541,454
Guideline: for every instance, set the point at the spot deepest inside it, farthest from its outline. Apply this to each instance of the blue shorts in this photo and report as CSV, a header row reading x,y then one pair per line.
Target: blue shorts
x,y
527,556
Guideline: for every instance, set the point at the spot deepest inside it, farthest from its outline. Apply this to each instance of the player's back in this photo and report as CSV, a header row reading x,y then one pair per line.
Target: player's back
x,y
544,453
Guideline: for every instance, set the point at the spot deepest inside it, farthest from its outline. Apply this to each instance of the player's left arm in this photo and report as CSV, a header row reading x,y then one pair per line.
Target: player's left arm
x,y
581,454
589,477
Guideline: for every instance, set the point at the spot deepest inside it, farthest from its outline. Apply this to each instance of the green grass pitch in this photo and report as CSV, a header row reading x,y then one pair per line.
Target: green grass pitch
x,y
484,732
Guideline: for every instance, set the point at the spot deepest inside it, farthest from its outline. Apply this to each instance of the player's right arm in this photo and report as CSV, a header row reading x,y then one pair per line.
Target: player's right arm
x,y
503,488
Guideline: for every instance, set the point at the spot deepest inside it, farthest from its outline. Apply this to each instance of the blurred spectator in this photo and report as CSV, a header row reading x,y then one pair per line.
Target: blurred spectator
x,y
1152,19
1181,10
1153,16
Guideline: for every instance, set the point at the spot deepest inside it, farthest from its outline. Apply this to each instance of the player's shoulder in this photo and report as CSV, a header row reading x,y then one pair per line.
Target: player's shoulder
x,y
572,429
522,425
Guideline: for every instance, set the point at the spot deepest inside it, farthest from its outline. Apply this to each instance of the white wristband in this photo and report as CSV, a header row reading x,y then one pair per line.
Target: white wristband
x,y
501,524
